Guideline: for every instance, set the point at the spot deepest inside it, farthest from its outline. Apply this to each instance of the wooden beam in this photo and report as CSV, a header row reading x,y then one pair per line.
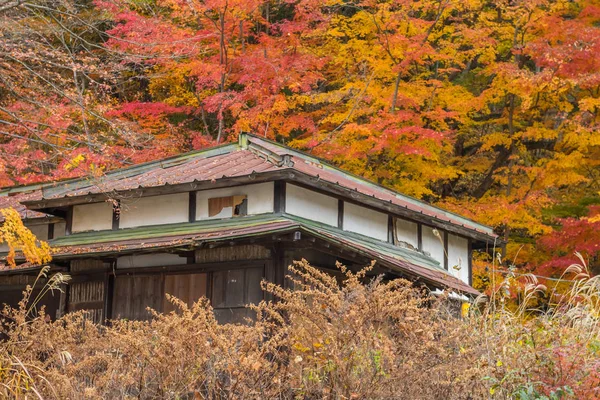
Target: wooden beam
x,y
187,268
279,200
391,229
470,261
420,237
340,214
192,207
50,231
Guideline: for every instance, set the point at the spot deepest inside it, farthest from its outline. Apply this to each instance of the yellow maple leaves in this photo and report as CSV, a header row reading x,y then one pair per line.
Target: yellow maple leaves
x,y
19,238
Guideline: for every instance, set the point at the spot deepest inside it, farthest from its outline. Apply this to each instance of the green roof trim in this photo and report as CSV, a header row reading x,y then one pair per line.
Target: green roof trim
x,y
168,230
233,224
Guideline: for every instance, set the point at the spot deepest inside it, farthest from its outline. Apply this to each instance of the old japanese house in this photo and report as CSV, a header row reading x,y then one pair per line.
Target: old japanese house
x,y
216,222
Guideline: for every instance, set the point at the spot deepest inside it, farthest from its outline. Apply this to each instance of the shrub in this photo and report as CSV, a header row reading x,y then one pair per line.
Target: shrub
x,y
319,339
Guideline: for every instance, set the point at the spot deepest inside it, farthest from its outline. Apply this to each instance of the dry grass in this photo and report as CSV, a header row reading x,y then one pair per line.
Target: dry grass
x,y
361,340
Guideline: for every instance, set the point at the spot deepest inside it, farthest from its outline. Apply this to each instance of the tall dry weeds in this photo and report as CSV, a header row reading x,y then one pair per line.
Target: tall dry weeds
x,y
319,340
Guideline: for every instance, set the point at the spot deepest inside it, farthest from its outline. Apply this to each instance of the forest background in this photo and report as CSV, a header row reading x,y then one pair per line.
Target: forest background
x,y
487,108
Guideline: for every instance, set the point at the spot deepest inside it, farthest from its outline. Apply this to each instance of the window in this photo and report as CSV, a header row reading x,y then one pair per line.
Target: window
x,y
226,207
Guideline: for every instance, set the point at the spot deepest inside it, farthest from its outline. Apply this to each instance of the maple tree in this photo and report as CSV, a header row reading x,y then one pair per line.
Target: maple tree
x,y
19,238
488,108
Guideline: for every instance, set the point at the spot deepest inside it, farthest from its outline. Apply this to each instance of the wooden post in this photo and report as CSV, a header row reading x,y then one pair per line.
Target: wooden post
x,y
192,207
445,249
420,237
470,261
341,214
50,231
279,201
109,286
62,303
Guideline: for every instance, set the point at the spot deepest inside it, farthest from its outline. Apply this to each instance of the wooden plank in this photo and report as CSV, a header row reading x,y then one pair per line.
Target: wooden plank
x,y
87,264
88,296
133,294
232,253
109,295
187,287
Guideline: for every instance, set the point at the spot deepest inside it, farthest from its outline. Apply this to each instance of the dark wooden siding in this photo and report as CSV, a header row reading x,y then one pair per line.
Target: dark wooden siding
x,y
88,296
11,293
133,294
186,287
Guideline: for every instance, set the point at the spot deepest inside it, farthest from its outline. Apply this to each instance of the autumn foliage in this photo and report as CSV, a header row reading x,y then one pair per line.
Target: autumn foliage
x,y
19,238
488,108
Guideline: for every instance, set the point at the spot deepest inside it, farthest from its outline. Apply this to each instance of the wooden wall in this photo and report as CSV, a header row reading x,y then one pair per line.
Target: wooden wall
x,y
11,293
88,288
232,253
133,294
186,287
108,292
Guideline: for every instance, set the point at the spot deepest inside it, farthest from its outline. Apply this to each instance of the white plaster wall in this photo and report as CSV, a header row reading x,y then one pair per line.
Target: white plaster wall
x,y
458,254
155,210
407,231
61,227
365,221
92,217
39,230
150,260
433,245
311,205
260,198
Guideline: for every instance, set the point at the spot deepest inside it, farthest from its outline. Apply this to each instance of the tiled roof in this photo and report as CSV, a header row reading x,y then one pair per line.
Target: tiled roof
x,y
13,197
253,155
198,166
187,235
316,168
